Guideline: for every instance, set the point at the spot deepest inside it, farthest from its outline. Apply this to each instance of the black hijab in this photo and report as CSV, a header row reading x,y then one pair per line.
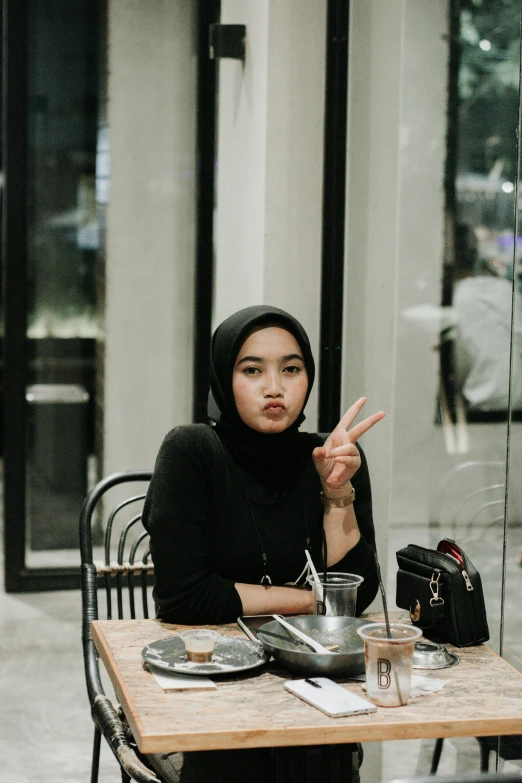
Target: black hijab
x,y
276,460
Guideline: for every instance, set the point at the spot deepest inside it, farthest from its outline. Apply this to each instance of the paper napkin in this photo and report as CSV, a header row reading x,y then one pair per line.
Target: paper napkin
x,y
423,686
172,681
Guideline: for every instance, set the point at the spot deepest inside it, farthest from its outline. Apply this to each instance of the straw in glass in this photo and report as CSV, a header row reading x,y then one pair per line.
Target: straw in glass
x,y
314,574
383,595
386,617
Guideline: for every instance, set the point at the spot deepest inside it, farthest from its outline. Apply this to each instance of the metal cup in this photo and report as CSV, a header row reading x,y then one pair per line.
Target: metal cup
x,y
388,662
336,595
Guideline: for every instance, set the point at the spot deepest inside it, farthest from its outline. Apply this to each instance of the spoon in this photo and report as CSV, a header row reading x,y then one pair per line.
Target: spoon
x,y
303,637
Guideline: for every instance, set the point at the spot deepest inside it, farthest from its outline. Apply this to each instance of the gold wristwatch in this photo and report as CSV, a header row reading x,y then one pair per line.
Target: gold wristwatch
x,y
347,500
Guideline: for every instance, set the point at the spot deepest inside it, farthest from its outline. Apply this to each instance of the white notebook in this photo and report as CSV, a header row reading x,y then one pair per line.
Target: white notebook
x,y
172,681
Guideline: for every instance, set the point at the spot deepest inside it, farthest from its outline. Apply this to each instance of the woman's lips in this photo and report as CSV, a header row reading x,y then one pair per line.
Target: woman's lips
x,y
274,407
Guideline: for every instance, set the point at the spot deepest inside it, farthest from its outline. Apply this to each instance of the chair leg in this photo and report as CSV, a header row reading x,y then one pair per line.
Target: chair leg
x,y
484,758
95,755
437,752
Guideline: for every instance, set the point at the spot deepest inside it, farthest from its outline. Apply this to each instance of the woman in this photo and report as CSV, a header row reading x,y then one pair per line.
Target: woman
x,y
232,508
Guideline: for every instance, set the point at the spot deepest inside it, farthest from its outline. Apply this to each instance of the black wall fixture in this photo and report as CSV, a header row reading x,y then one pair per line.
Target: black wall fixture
x,y
227,40
334,198
208,15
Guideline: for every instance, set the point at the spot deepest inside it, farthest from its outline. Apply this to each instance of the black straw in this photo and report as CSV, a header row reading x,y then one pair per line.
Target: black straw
x,y
387,621
325,558
383,595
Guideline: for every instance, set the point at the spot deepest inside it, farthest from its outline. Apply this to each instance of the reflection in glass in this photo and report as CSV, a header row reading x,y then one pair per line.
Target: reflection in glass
x,y
481,285
511,629
63,238
480,204
449,469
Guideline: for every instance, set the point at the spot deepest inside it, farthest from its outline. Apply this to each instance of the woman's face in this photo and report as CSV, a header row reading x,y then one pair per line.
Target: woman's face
x,y
269,380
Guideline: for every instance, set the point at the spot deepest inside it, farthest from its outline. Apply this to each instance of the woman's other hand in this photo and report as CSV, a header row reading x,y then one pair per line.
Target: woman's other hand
x,y
339,459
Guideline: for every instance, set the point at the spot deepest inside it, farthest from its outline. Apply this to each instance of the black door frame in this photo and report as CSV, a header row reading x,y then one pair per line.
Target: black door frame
x,y
209,12
334,199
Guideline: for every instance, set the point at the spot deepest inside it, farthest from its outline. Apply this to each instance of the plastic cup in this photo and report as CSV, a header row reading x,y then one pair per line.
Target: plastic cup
x,y
389,662
337,595
199,644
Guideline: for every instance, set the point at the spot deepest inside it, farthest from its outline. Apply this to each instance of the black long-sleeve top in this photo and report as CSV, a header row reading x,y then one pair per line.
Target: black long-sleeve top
x,y
203,539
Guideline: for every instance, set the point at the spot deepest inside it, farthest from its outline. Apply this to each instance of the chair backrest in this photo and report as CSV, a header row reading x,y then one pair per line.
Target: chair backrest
x,y
111,529
474,777
114,547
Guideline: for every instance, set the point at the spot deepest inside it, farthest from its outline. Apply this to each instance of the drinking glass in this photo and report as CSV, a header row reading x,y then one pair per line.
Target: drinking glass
x,y
335,595
389,662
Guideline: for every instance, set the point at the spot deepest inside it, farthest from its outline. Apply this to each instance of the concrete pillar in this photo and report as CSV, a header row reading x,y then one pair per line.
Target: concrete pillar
x,y
270,149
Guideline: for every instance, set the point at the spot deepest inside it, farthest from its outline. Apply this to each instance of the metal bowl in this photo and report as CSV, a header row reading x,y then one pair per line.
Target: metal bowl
x,y
428,655
297,657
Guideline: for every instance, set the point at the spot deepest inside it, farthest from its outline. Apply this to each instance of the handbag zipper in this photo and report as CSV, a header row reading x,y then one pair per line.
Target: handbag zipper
x,y
469,586
453,560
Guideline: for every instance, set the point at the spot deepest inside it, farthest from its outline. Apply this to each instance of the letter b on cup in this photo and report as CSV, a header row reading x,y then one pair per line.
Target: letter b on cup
x,y
383,673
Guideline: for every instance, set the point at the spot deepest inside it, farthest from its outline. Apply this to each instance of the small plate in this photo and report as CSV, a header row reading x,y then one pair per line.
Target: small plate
x,y
231,655
429,655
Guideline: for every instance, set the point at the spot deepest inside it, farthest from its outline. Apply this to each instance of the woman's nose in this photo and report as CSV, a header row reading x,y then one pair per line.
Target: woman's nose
x,y
273,386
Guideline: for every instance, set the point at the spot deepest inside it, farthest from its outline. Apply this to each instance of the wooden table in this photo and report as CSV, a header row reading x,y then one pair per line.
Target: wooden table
x,y
483,698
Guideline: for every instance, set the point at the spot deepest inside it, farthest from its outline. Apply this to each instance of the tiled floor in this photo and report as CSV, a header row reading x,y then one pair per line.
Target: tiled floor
x,y
45,726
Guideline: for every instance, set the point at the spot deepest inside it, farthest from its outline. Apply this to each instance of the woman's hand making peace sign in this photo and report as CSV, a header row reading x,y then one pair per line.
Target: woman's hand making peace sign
x,y
339,459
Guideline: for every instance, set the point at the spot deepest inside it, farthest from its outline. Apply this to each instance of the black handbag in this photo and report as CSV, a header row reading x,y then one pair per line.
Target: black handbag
x,y
442,591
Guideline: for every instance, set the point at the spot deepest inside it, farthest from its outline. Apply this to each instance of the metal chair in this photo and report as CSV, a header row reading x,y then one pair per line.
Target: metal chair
x,y
124,570
507,748
474,777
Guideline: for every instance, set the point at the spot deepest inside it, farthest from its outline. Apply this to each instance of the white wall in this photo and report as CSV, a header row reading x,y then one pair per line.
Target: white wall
x,y
270,149
151,227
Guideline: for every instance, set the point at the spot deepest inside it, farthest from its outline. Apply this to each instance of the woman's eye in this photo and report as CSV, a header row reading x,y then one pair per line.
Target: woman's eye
x,y
251,370
293,369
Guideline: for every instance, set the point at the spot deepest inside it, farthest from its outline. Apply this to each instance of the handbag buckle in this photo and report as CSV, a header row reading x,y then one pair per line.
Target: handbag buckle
x,y
434,587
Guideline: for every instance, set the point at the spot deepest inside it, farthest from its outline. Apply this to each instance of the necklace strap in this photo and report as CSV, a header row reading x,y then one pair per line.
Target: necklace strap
x,y
266,581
